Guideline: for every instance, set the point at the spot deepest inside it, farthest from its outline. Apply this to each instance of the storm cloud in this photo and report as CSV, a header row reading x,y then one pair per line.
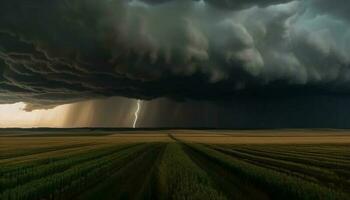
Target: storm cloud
x,y
56,52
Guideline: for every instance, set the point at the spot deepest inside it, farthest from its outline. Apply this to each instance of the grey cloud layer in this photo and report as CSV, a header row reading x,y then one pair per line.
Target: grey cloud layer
x,y
56,52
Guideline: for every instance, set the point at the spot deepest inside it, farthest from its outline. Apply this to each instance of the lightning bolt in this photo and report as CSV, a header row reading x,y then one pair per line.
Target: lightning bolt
x,y
137,113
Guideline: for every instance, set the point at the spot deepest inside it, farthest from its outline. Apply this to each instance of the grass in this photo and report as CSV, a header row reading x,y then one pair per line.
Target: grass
x,y
278,185
70,180
181,178
165,166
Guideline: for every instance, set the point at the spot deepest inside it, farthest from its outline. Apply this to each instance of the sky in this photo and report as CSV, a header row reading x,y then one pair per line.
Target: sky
x,y
192,63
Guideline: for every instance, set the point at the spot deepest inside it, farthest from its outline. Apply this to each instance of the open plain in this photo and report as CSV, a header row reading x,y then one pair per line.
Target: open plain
x,y
175,164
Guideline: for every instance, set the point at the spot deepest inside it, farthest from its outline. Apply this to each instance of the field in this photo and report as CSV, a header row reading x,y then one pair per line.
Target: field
x,y
175,164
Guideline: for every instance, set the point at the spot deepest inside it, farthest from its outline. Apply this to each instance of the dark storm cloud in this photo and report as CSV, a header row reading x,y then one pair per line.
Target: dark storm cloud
x,y
339,8
228,4
315,111
242,4
56,52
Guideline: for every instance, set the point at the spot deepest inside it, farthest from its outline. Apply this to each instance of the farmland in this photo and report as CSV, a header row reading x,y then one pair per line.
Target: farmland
x,y
175,164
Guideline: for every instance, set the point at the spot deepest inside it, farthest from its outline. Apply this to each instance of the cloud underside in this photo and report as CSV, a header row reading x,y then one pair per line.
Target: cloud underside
x,y
62,51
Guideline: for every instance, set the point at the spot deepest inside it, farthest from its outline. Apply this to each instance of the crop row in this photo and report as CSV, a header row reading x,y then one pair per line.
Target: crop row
x,y
280,151
318,151
321,175
180,178
135,180
279,185
31,151
18,177
231,184
337,165
20,163
177,171
73,179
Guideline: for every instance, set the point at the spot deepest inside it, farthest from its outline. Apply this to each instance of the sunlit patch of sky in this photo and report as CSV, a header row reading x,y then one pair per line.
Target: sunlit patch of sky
x,y
13,115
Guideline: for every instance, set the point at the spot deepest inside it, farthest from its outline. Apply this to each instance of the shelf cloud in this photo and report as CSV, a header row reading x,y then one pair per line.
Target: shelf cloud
x,y
57,52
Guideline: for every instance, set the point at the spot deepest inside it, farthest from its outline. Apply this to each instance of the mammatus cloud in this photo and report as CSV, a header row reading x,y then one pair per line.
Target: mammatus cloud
x,y
58,52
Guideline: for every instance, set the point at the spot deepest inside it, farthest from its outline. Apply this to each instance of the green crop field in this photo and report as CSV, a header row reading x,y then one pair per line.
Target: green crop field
x,y
174,165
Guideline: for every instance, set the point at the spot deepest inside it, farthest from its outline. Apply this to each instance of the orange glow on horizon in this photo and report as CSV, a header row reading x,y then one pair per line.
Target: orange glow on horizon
x,y
13,115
